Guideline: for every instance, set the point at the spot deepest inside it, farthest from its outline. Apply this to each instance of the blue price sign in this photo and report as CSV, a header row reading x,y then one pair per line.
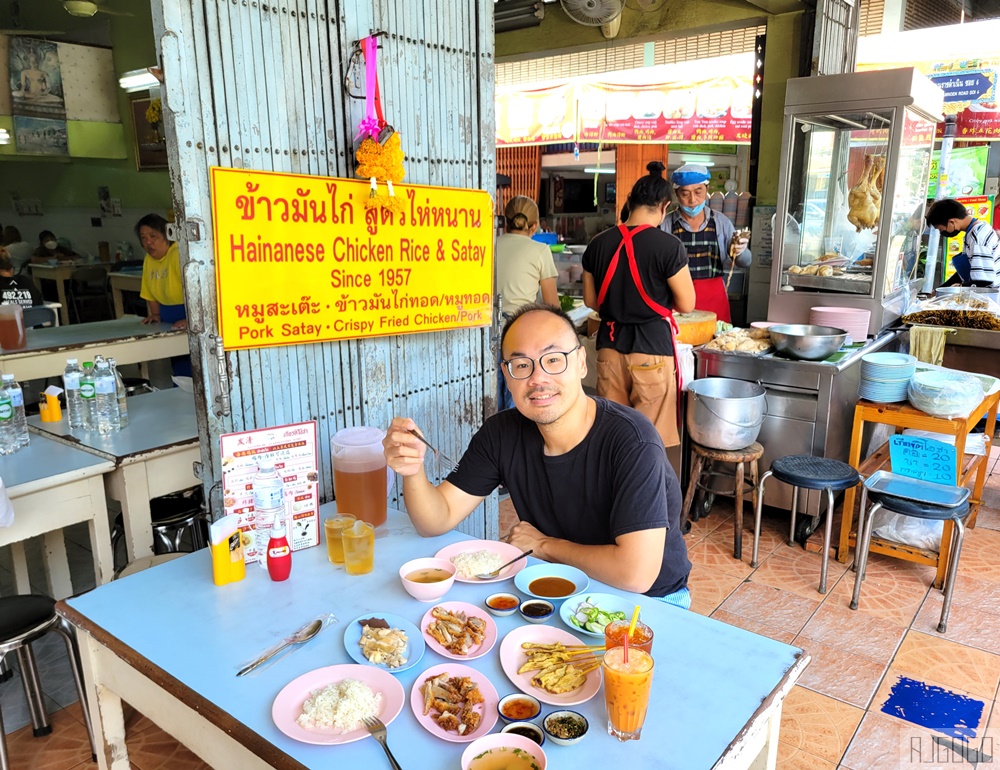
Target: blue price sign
x,y
923,458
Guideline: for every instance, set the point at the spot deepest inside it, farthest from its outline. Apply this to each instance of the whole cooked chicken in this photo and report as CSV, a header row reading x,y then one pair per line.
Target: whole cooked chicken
x,y
864,198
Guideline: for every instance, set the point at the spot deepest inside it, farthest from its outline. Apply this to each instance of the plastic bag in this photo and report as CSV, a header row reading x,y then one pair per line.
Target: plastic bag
x,y
6,508
945,393
975,443
964,308
920,533
684,360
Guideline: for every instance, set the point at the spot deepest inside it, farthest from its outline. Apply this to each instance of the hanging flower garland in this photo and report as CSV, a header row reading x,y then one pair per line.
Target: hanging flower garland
x,y
377,161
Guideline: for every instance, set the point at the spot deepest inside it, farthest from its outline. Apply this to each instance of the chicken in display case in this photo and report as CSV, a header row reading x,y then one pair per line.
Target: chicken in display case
x,y
855,166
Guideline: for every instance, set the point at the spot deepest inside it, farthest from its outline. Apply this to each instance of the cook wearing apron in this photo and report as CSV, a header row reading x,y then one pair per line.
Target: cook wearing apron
x,y
706,235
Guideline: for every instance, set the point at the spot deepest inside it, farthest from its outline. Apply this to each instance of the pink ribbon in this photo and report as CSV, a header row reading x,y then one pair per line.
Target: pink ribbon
x,y
369,123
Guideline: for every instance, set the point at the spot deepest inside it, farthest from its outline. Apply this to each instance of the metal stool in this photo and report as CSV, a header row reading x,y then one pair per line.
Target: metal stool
x,y
23,620
172,516
701,467
922,500
807,472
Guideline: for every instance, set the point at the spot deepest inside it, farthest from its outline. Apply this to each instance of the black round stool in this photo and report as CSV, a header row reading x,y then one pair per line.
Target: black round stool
x,y
23,620
807,472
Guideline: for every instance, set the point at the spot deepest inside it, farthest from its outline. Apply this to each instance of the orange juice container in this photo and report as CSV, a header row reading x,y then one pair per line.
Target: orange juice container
x,y
227,550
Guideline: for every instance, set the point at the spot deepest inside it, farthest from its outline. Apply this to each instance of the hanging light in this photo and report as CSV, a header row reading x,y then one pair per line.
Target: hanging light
x,y
138,80
4,136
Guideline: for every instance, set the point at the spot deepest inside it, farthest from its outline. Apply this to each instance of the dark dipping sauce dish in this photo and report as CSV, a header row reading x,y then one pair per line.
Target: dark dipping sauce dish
x,y
527,731
536,609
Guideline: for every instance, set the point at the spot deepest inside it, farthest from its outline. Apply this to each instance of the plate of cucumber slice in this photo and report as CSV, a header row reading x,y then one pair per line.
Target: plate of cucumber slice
x,y
589,613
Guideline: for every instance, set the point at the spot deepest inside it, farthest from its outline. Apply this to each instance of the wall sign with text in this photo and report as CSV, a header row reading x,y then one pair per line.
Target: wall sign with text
x,y
300,259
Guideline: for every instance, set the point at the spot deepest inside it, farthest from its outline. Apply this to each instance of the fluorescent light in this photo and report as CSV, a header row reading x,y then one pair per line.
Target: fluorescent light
x,y
138,80
700,160
598,171
4,136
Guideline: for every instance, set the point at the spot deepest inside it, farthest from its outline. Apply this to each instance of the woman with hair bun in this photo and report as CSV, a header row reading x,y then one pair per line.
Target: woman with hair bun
x,y
524,267
634,276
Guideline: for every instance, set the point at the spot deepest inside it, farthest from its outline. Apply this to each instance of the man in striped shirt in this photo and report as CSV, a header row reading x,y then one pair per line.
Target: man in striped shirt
x,y
979,262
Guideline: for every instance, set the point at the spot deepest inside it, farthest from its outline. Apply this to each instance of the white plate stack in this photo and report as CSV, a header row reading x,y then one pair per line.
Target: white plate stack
x,y
851,319
884,376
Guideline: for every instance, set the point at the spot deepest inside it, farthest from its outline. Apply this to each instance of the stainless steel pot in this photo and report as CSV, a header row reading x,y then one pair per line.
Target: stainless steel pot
x,y
724,413
807,342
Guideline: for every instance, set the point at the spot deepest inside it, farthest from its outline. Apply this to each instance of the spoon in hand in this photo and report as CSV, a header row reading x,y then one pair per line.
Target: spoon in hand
x,y
494,573
304,634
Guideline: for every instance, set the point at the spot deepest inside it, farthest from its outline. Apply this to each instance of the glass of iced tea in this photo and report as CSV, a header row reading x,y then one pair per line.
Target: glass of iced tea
x,y
359,548
641,638
333,526
626,691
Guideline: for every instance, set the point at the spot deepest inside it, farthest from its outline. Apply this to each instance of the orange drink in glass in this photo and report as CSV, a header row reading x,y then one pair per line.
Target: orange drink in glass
x,y
642,636
359,548
626,691
332,527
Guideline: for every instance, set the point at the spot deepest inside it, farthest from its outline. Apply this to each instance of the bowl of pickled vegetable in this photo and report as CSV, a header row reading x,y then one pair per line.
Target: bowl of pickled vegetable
x,y
589,613
564,728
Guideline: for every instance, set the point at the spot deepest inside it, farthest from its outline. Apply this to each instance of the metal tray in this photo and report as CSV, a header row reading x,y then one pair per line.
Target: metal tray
x,y
917,490
829,283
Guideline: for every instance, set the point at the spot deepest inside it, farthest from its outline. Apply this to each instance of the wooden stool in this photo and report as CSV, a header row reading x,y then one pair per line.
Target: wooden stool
x,y
702,458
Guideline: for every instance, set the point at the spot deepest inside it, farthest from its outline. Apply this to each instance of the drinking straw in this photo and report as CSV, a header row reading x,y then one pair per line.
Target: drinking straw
x,y
635,619
625,649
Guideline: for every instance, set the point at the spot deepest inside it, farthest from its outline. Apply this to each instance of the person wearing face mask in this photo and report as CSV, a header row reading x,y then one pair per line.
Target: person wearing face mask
x,y
634,276
978,264
708,237
50,248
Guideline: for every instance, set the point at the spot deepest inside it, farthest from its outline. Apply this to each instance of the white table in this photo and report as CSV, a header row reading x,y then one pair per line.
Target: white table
x,y
122,281
60,274
53,486
153,456
174,654
127,340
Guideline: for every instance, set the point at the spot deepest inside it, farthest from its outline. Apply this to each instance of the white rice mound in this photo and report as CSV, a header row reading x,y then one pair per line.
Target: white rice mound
x,y
472,563
341,705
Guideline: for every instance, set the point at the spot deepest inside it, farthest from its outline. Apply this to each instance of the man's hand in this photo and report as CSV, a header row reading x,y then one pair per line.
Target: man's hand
x,y
404,452
525,536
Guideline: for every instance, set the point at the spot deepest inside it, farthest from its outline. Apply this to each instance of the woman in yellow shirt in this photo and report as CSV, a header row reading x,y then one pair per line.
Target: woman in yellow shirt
x,y
161,274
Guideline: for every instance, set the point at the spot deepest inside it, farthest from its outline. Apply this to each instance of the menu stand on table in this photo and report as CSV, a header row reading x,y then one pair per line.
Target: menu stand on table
x,y
968,466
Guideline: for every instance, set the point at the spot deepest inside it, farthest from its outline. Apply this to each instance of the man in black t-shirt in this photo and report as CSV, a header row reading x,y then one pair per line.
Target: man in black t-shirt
x,y
16,290
589,478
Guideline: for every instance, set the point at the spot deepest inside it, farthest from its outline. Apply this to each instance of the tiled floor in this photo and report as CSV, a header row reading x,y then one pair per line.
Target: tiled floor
x,y
883,690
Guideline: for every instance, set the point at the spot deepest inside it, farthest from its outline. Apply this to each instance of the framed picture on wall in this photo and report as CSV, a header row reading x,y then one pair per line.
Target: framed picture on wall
x,y
147,126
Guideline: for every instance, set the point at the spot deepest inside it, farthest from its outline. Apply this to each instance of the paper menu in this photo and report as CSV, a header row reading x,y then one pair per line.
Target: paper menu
x,y
295,453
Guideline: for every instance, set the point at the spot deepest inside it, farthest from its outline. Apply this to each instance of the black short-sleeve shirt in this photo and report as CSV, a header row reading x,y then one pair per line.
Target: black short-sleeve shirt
x,y
637,328
616,481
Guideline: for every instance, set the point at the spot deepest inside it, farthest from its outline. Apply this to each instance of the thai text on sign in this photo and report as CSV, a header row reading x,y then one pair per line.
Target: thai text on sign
x,y
300,259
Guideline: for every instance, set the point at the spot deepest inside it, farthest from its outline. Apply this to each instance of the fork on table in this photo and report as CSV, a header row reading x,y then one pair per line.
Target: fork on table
x,y
377,730
445,463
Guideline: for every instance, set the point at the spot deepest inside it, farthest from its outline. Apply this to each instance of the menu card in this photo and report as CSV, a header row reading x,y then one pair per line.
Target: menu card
x,y
294,451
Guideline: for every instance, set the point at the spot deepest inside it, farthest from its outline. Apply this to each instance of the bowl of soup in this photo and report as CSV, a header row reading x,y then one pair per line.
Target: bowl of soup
x,y
427,579
503,751
553,582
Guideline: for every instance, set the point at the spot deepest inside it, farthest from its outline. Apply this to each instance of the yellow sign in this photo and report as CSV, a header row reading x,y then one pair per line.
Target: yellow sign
x,y
300,259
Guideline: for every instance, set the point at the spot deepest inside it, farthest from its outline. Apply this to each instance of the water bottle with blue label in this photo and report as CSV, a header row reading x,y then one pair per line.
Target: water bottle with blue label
x,y
8,436
71,384
17,404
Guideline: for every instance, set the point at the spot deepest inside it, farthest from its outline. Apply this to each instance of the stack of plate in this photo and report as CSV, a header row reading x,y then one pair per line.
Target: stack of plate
x,y
851,319
884,376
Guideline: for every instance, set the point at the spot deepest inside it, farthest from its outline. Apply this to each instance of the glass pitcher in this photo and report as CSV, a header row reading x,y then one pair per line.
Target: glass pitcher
x,y
12,336
360,478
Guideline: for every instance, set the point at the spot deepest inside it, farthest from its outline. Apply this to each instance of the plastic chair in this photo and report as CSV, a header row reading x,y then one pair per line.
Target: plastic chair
x,y
40,315
807,472
89,287
23,620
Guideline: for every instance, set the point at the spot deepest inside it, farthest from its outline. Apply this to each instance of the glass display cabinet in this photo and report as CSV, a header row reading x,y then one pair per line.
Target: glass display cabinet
x,y
855,163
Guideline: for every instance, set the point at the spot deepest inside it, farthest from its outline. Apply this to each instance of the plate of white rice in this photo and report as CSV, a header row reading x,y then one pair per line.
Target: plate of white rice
x,y
326,706
476,557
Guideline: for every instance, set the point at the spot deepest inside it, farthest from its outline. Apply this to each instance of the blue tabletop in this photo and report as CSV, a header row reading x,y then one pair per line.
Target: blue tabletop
x,y
710,677
44,458
78,335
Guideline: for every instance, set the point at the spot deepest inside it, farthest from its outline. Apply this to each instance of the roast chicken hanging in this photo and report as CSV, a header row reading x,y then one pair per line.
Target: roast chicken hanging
x,y
865,198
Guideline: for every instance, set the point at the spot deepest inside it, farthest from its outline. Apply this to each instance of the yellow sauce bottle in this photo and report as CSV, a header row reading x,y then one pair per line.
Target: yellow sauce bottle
x,y
227,551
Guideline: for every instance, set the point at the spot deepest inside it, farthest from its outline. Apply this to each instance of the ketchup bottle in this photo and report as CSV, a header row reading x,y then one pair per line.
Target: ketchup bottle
x,y
279,554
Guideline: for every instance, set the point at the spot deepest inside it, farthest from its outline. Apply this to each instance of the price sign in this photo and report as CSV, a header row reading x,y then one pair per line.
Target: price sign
x,y
923,458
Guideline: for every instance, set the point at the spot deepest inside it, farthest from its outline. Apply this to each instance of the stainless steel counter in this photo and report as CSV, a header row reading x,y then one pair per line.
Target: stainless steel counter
x,y
810,405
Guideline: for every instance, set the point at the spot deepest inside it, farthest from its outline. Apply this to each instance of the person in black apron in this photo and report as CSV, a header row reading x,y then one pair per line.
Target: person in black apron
x,y
162,287
634,276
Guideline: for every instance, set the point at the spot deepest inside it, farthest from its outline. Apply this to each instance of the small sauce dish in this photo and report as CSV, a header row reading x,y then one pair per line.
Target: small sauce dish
x,y
564,728
537,610
502,604
526,730
518,707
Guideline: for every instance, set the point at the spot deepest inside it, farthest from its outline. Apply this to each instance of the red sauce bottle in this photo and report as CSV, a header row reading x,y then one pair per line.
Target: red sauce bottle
x,y
279,553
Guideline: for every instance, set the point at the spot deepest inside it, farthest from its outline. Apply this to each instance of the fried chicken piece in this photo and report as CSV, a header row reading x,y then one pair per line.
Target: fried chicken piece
x,y
447,721
470,719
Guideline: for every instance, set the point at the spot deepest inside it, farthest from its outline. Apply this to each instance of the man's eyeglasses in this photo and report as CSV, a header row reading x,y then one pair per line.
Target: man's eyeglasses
x,y
553,362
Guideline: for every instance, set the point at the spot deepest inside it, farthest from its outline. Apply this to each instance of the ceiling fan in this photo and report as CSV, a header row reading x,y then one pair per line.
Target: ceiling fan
x,y
87,8
17,29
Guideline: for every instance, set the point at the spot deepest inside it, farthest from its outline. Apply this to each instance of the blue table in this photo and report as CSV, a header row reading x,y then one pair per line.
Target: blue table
x,y
169,642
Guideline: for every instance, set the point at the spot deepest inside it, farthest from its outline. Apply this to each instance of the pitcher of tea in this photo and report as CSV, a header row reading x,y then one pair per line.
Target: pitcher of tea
x,y
12,335
360,478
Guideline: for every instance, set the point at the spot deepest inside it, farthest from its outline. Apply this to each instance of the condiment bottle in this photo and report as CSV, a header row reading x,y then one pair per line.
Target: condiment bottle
x,y
227,550
279,554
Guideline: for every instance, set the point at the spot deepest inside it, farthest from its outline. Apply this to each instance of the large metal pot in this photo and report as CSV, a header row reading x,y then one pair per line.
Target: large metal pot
x,y
724,413
807,342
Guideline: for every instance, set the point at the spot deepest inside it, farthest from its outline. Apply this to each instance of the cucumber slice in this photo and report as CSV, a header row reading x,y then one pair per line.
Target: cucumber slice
x,y
596,628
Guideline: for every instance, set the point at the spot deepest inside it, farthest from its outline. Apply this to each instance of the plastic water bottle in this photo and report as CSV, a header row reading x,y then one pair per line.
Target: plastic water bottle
x,y
87,394
71,384
8,435
105,399
17,403
121,394
268,503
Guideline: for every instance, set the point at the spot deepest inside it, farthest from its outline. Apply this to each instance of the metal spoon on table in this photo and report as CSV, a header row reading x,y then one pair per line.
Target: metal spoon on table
x,y
301,636
494,573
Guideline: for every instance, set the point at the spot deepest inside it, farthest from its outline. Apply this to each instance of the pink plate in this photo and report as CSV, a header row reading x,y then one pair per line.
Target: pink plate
x,y
470,610
512,657
487,709
288,705
505,550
